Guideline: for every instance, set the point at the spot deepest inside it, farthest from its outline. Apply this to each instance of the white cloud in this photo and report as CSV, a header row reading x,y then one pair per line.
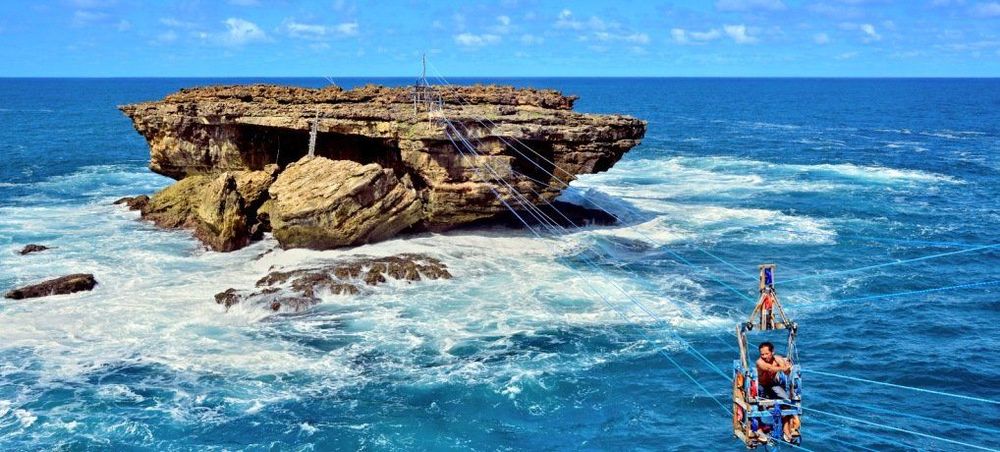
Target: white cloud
x,y
174,23
85,18
503,25
567,21
870,33
836,11
682,36
124,25
166,37
846,55
750,5
739,34
238,32
991,9
679,35
821,38
471,40
637,38
318,31
347,28
709,35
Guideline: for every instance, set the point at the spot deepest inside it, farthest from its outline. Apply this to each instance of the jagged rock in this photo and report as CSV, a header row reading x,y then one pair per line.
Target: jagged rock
x,y
222,210
134,202
321,203
32,248
210,130
58,286
299,289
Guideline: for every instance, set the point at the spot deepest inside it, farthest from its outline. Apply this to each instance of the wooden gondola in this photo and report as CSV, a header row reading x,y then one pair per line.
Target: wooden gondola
x,y
758,420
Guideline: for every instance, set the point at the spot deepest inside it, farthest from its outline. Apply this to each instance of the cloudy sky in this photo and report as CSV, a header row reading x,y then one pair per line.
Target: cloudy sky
x,y
502,38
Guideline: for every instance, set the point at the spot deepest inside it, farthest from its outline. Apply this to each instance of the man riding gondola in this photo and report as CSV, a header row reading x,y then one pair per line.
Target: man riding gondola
x,y
769,368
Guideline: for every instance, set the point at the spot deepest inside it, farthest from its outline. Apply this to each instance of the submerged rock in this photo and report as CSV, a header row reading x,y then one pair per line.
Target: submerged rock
x,y
32,248
134,202
381,167
296,290
58,286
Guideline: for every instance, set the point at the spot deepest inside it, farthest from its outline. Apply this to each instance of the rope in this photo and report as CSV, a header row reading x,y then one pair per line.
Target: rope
x,y
599,206
887,264
542,217
911,388
471,148
620,313
902,430
608,302
914,416
915,292
553,225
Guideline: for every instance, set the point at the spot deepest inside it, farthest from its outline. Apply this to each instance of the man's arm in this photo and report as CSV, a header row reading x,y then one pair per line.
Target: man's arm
x,y
780,365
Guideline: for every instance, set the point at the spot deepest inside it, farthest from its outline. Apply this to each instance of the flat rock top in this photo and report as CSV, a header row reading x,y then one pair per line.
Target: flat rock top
x,y
374,94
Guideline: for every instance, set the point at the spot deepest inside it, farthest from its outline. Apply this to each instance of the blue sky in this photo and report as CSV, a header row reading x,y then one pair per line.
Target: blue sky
x,y
835,38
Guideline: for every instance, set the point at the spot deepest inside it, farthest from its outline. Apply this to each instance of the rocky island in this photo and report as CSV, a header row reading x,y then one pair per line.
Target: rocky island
x,y
383,164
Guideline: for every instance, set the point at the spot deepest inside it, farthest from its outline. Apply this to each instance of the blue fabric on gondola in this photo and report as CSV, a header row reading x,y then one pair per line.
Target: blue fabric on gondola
x,y
768,277
776,429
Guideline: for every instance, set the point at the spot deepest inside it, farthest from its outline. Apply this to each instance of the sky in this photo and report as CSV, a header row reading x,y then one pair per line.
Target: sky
x,y
514,38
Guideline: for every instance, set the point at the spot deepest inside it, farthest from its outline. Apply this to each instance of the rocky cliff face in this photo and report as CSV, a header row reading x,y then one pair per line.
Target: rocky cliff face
x,y
383,164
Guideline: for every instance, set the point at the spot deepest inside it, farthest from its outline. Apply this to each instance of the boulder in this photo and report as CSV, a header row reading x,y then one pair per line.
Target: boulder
x,y
222,210
320,203
58,286
32,248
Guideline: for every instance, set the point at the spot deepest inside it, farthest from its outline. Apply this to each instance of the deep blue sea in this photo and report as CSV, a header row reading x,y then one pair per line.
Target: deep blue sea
x,y
530,346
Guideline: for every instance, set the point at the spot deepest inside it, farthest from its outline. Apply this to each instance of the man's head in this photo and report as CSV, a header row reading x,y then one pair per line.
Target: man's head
x,y
766,351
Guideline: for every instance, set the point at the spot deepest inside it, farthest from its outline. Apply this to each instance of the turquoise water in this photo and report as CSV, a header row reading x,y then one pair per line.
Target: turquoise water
x,y
520,349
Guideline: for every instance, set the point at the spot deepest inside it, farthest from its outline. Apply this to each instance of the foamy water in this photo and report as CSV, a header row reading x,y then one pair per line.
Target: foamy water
x,y
533,335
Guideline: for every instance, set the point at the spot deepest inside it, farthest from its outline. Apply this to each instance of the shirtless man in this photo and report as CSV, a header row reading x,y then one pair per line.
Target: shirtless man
x,y
768,366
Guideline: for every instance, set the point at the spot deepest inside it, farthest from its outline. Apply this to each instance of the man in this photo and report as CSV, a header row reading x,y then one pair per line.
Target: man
x,y
768,366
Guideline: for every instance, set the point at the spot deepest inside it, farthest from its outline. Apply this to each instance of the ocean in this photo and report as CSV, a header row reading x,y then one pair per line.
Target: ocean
x,y
878,199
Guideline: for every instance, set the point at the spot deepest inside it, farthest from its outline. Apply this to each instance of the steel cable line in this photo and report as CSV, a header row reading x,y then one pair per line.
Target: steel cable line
x,y
888,264
522,200
727,411
509,207
551,225
580,276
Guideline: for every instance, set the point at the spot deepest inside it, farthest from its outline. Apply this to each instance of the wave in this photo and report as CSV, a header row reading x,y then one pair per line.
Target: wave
x,y
944,133
720,172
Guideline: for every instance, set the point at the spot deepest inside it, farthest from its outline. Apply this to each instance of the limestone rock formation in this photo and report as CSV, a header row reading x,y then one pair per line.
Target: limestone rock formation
x,y
531,139
57,286
297,290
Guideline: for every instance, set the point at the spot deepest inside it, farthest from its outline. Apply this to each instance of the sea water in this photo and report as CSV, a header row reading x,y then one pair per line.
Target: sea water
x,y
580,339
